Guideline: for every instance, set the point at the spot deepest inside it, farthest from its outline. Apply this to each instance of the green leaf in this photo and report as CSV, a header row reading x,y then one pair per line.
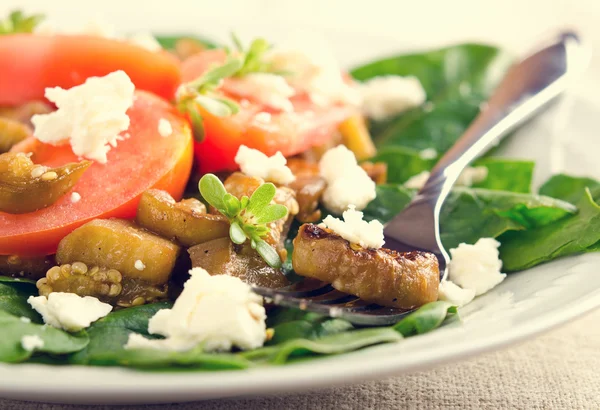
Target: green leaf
x,y
570,188
56,341
575,234
425,319
291,324
268,253
402,163
215,74
232,205
213,191
261,197
271,213
457,81
13,299
18,22
234,108
24,281
506,174
168,42
196,120
214,106
237,42
237,234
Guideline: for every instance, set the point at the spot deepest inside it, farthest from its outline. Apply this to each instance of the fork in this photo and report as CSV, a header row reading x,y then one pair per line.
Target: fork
x,y
527,87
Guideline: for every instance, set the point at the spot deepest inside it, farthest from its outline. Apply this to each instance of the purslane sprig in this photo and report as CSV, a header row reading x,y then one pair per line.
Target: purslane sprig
x,y
248,217
201,91
18,22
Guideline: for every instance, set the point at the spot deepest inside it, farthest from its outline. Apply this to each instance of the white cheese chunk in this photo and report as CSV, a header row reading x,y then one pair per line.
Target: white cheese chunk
x,y
75,197
356,230
469,176
145,40
218,311
266,88
417,181
451,292
256,164
31,342
164,127
386,96
347,183
139,265
428,153
25,319
477,266
69,311
89,116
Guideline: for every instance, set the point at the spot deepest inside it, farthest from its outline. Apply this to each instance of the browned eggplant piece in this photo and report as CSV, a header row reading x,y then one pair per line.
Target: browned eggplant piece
x,y
108,285
31,267
239,185
185,222
377,171
26,187
309,187
120,244
222,257
382,276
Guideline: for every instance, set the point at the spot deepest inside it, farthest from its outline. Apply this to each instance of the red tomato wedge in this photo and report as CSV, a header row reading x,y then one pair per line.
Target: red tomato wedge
x,y
30,63
144,160
291,133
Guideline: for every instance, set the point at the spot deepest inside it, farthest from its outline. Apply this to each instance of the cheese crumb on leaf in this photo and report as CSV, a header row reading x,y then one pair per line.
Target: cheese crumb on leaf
x,y
69,311
256,164
31,342
89,116
389,95
218,312
477,266
347,183
469,177
356,230
451,292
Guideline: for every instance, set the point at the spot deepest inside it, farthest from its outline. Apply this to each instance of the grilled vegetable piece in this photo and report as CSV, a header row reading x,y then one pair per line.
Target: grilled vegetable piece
x,y
11,133
31,267
382,276
377,171
309,187
355,135
24,112
26,187
222,257
239,185
108,285
120,244
185,222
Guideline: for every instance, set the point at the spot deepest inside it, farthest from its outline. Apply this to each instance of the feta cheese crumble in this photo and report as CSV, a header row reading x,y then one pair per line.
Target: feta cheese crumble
x,y
31,342
25,319
145,40
469,176
69,311
89,116
164,127
218,311
428,153
75,197
356,230
386,96
347,183
254,163
268,89
477,266
139,265
451,292
417,181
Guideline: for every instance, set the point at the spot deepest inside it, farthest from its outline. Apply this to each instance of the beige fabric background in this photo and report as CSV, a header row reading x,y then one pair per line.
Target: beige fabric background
x,y
559,370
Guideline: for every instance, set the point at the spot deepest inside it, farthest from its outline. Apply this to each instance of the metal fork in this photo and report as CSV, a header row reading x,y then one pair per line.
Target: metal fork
x,y
527,87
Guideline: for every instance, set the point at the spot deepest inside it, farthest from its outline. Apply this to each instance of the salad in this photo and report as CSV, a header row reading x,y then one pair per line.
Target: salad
x,y
147,183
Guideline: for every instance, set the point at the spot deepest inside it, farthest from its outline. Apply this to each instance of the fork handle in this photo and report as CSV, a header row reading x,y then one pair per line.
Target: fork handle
x,y
526,88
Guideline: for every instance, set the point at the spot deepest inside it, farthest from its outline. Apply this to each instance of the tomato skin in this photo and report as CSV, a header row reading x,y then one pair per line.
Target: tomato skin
x,y
143,161
290,133
30,63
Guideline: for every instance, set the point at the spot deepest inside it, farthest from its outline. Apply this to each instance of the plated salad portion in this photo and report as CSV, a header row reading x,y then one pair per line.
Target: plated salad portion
x,y
149,184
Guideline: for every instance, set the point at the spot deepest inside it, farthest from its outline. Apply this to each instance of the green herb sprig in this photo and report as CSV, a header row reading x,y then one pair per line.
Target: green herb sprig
x,y
249,217
18,22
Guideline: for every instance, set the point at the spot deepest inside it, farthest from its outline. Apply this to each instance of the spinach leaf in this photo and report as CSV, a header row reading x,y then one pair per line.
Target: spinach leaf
x,y
425,319
389,202
575,234
506,174
457,81
109,334
291,324
8,279
168,41
402,163
13,299
56,341
570,188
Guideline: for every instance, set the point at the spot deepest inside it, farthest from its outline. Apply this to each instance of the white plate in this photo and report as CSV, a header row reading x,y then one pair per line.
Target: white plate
x,y
526,304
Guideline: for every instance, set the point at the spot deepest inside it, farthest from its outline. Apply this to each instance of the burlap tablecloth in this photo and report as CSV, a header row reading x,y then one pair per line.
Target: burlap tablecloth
x,y
559,370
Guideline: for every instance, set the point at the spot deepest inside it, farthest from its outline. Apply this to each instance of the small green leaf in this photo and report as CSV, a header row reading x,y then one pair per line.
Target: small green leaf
x,y
270,213
237,42
262,196
268,253
237,234
244,201
232,205
214,106
197,122
212,190
232,105
18,22
214,75
425,319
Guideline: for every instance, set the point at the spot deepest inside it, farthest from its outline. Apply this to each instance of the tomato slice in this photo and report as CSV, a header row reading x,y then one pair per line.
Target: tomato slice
x,y
144,160
291,133
30,63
